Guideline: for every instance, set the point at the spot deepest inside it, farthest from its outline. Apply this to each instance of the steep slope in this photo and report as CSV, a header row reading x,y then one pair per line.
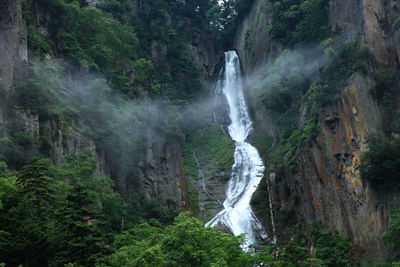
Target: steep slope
x,y
325,186
148,165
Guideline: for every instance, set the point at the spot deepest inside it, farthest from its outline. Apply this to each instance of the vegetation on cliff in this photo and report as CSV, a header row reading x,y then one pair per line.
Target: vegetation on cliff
x,y
103,72
297,21
302,90
381,165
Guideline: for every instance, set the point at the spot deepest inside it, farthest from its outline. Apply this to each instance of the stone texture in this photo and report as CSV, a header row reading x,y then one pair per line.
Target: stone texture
x,y
13,41
372,21
327,187
161,173
331,187
252,42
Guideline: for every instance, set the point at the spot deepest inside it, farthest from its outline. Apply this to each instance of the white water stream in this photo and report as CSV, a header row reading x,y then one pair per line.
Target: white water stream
x,y
248,167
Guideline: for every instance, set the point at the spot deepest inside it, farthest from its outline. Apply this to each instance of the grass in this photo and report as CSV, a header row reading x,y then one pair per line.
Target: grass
x,y
211,146
194,206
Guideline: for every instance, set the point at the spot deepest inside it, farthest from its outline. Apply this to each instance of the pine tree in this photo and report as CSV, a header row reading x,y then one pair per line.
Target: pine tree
x,y
80,239
29,222
35,184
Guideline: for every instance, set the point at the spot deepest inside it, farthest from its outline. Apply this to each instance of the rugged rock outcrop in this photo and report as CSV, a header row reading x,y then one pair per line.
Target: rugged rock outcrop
x,y
160,172
13,41
252,42
329,183
374,22
327,187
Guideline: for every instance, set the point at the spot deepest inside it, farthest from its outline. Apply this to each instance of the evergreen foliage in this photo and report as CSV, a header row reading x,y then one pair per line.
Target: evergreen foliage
x,y
296,21
332,249
55,216
392,236
70,215
381,165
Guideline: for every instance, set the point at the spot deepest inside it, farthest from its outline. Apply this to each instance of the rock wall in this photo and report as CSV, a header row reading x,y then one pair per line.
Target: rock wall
x,y
13,41
327,187
374,22
160,171
329,183
160,175
255,49
252,42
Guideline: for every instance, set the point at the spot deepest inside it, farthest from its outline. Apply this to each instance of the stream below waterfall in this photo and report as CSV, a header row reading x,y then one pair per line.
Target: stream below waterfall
x,y
248,167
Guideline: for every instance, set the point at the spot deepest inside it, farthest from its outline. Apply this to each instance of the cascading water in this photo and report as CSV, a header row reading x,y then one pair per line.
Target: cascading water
x,y
248,167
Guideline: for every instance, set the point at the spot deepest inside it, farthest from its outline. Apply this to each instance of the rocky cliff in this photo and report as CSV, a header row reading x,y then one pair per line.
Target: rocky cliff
x,y
13,41
158,167
327,187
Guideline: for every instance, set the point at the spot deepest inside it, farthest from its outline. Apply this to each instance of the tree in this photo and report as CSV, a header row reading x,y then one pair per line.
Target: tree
x,y
295,255
381,165
35,184
189,243
27,220
392,236
332,249
80,240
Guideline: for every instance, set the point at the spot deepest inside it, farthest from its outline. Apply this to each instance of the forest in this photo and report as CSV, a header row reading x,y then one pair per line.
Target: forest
x,y
108,82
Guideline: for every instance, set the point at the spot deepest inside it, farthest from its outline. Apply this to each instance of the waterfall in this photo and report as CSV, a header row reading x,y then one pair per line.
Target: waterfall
x,y
248,167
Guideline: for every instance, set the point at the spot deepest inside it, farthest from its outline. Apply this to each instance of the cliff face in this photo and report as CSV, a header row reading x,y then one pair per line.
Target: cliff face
x,y
13,41
329,183
255,49
374,22
160,168
252,42
327,187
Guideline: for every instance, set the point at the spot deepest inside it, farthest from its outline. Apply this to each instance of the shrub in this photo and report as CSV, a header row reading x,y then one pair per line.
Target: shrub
x,y
295,21
331,249
381,165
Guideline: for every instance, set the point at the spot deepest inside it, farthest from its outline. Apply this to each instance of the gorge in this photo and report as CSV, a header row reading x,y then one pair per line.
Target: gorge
x,y
120,138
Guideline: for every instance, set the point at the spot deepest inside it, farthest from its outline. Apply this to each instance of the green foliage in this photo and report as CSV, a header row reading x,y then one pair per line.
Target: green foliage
x,y
331,248
34,94
288,150
385,86
38,45
295,21
193,196
104,39
59,215
210,145
93,41
381,165
223,18
185,243
262,142
295,255
386,92
333,78
392,236
79,239
35,184
283,86
143,70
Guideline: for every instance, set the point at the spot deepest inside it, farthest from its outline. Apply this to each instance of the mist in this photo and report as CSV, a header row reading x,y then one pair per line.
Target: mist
x,y
123,129
294,66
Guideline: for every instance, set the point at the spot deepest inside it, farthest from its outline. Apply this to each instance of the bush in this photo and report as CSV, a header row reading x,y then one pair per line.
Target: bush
x,y
331,249
295,21
392,236
381,165
385,85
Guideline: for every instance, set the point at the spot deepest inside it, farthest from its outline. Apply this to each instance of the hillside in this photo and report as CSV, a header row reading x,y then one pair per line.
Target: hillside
x,y
118,142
